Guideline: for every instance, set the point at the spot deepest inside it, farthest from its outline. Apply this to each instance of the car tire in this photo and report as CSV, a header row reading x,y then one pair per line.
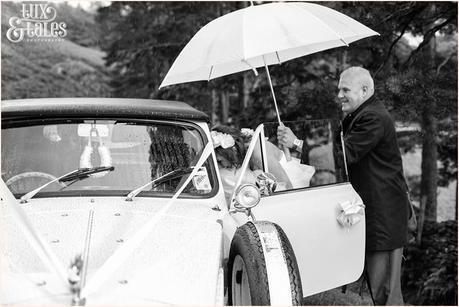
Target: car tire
x,y
248,284
292,266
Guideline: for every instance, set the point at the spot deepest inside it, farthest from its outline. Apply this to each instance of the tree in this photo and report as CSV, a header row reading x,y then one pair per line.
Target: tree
x,y
424,64
143,39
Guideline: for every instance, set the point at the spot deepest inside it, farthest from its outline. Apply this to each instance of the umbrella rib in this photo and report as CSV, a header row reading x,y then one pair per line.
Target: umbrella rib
x,y
278,59
344,42
210,73
251,67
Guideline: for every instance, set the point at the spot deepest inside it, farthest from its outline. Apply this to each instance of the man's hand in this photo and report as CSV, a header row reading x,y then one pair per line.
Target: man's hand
x,y
285,136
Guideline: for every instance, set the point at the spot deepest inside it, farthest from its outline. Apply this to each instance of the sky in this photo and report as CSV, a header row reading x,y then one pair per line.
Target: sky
x,y
84,4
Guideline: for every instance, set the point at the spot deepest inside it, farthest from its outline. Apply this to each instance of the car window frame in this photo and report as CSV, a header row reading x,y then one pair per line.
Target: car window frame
x,y
344,182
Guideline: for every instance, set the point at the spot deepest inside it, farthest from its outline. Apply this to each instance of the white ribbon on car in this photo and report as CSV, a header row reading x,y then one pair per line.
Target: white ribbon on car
x,y
259,131
120,255
351,213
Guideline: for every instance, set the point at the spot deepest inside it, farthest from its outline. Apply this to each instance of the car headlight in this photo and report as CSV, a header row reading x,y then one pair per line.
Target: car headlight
x,y
247,196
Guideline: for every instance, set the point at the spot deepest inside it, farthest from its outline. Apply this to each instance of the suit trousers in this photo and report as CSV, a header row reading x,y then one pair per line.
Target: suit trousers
x,y
383,276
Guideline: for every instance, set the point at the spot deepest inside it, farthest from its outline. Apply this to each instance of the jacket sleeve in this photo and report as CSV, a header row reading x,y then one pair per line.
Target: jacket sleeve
x,y
304,158
365,134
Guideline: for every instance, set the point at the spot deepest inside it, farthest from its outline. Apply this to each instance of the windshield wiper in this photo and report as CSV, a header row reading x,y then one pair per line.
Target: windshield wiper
x,y
73,175
32,193
84,173
169,176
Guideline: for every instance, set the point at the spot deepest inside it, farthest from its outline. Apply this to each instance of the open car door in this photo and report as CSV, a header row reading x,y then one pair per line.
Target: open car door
x,y
328,254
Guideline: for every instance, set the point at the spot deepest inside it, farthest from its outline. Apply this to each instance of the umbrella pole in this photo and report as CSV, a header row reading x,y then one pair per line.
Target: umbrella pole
x,y
286,150
272,91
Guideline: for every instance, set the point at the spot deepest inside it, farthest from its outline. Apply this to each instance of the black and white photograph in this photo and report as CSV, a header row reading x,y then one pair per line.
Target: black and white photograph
x,y
202,153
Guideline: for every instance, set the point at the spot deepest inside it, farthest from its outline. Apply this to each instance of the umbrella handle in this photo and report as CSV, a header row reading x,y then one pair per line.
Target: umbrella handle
x,y
287,153
285,148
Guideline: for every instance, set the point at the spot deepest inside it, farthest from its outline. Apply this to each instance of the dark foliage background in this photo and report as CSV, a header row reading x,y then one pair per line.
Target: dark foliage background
x,y
430,270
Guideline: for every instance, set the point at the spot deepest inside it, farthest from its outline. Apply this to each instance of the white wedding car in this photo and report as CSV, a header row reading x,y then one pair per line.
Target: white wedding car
x,y
120,201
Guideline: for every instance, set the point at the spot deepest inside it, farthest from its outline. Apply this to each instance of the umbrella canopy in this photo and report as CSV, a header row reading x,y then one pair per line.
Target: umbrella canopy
x,y
262,35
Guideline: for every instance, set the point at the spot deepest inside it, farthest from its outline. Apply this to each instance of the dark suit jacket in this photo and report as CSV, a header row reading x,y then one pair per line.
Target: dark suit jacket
x,y
376,173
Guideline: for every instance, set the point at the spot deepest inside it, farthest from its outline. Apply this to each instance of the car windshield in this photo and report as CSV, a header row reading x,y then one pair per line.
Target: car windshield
x,y
135,152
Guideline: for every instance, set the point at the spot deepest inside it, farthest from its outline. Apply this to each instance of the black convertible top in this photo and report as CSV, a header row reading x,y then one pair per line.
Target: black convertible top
x,y
99,108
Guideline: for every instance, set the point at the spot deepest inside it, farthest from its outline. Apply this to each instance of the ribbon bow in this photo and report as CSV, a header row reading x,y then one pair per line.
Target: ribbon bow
x,y
351,213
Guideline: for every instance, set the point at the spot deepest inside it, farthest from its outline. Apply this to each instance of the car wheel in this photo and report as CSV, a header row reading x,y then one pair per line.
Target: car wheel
x,y
247,274
248,278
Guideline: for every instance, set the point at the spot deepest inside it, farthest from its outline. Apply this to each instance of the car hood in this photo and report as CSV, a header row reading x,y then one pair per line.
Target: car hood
x,y
179,262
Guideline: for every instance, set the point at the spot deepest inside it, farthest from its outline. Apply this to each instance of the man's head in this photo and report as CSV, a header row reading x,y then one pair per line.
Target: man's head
x,y
355,87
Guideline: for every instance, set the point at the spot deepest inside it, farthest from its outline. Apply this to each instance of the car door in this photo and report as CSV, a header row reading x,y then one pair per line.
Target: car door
x,y
328,254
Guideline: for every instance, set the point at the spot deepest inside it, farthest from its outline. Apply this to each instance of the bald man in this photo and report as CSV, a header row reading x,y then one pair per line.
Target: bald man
x,y
376,173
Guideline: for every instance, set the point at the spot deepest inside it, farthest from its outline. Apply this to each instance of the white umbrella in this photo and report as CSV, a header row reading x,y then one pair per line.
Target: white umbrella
x,y
262,35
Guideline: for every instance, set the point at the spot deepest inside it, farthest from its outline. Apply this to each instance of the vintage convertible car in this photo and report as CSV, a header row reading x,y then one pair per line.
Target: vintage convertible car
x,y
120,201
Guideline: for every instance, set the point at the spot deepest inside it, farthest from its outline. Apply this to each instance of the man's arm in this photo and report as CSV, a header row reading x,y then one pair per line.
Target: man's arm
x,y
364,135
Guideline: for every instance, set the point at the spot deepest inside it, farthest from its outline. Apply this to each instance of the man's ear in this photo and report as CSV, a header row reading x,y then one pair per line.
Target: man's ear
x,y
365,91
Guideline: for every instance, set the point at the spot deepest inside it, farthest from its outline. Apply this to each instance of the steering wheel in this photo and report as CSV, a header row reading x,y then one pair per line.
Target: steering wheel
x,y
25,175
